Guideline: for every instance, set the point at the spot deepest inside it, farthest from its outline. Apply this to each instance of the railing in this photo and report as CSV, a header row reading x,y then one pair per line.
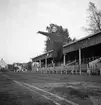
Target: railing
x,y
64,69
71,69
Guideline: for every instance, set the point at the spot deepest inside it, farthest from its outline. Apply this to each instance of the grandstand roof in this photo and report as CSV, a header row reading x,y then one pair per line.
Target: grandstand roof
x,y
87,41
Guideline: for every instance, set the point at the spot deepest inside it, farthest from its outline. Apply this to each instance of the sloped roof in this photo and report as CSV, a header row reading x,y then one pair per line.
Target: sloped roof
x,y
66,45
2,63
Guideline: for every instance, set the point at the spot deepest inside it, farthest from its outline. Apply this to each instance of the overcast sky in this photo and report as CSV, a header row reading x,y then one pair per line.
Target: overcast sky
x,y
21,19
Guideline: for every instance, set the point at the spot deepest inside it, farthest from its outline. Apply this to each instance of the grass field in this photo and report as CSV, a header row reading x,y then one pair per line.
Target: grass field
x,y
80,89
13,94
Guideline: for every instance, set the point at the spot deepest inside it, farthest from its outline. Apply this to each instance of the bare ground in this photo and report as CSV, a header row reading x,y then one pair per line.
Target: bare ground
x,y
13,94
84,90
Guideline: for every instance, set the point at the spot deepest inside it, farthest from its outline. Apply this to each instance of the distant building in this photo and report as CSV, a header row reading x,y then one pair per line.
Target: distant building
x,y
3,64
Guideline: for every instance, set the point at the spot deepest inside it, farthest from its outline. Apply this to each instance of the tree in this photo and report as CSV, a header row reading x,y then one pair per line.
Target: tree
x,y
58,30
94,19
48,45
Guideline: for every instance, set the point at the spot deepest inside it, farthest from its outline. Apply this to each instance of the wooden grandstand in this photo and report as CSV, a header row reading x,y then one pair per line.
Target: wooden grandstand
x,y
76,57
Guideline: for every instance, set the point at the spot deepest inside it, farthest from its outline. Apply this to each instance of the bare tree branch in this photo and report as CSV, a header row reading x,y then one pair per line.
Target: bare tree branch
x,y
94,19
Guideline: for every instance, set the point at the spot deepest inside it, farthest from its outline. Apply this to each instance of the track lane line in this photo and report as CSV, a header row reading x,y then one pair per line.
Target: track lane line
x,y
32,86
61,98
19,83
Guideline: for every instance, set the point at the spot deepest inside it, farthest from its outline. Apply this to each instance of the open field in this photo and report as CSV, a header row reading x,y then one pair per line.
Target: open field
x,y
13,94
80,89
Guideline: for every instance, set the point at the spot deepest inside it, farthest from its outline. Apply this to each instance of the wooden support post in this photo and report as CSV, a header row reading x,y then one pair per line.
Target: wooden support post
x,y
46,62
64,59
80,60
40,66
40,63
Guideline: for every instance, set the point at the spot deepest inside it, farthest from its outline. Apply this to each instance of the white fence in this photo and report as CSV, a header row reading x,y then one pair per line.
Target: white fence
x,y
73,69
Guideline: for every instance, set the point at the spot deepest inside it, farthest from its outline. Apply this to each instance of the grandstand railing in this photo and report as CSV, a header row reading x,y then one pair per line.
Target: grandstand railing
x,y
73,67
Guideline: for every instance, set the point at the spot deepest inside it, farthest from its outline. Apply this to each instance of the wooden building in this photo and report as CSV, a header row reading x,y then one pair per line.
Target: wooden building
x,y
81,52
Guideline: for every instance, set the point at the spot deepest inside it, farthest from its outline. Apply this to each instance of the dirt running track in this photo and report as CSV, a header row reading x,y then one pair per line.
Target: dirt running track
x,y
60,89
11,93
